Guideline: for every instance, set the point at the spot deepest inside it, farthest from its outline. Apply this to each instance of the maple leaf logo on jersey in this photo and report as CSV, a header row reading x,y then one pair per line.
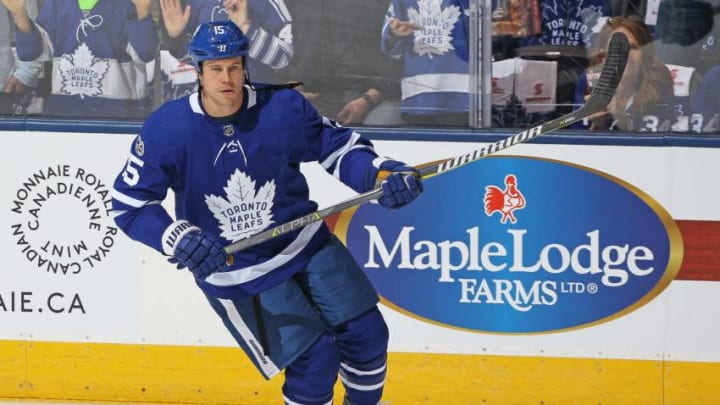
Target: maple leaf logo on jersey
x,y
592,17
82,73
438,23
555,15
244,212
504,201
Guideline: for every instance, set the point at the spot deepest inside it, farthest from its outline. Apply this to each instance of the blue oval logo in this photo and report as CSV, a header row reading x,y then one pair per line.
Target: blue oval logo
x,y
517,245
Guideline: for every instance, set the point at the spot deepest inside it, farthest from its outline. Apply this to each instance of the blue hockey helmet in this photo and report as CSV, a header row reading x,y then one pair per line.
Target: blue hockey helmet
x,y
217,40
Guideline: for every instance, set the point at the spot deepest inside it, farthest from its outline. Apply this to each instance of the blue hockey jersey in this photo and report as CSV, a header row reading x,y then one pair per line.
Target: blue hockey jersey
x,y
705,104
98,58
436,76
235,178
270,33
570,22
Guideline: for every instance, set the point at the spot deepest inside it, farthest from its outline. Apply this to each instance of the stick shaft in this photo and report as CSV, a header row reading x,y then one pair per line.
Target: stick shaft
x,y
602,93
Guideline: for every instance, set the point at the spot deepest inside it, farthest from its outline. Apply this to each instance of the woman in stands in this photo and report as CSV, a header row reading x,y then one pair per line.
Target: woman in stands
x,y
643,100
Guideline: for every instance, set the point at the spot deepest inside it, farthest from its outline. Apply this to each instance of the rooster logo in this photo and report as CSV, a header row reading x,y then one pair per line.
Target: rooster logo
x,y
504,201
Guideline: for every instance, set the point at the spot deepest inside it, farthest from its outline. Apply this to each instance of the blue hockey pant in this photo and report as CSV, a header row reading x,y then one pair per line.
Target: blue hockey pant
x,y
356,351
321,323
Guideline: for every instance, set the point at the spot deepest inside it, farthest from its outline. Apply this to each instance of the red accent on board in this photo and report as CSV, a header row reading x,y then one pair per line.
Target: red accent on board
x,y
701,260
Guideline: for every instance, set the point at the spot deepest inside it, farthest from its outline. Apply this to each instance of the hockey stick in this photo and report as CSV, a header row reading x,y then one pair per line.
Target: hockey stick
x,y
602,93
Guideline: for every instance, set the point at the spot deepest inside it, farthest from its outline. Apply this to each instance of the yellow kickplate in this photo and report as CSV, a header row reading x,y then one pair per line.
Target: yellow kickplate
x,y
220,375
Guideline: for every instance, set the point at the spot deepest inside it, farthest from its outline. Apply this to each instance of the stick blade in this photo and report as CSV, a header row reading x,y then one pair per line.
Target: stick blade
x,y
615,61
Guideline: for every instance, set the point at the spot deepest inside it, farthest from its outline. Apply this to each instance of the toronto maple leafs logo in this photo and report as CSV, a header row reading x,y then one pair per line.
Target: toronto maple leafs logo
x,y
579,29
82,73
434,38
244,212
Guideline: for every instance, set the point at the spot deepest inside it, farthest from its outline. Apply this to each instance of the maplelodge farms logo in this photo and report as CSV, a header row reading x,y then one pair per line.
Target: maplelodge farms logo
x,y
517,245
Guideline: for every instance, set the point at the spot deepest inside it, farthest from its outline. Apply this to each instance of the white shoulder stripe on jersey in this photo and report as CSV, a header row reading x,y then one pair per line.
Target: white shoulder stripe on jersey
x,y
252,96
247,274
338,166
330,160
116,213
194,100
195,104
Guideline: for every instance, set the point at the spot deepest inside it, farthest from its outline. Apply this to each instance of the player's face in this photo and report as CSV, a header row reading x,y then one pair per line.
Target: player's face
x,y
222,81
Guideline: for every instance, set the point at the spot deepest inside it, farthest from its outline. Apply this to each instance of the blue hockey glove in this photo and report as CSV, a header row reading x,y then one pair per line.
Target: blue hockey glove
x,y
175,262
400,184
202,252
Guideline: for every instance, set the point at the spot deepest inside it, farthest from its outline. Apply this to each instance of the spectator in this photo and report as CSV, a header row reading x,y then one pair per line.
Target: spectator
x,y
17,78
99,49
642,99
686,32
568,29
432,39
571,23
337,58
705,104
267,23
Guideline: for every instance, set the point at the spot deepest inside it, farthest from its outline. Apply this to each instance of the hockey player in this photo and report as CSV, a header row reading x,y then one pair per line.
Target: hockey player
x,y
231,154
99,49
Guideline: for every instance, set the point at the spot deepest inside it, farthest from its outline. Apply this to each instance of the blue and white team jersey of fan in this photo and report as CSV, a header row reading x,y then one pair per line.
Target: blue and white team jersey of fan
x,y
235,178
98,57
705,104
270,33
435,57
570,22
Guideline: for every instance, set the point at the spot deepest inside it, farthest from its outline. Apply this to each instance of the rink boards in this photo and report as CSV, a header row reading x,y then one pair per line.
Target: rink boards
x,y
480,311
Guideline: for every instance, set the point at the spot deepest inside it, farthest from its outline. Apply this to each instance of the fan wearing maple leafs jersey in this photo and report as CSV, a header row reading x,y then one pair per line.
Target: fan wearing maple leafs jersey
x,y
705,104
570,22
267,23
98,48
431,37
231,154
